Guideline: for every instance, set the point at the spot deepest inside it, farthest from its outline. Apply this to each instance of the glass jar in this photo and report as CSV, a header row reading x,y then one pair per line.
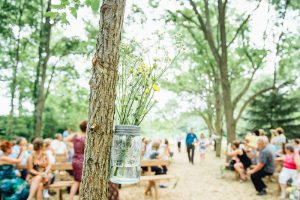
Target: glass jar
x,y
125,162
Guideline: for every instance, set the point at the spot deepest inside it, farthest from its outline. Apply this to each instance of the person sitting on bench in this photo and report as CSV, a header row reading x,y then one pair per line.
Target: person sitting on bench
x,y
244,161
264,167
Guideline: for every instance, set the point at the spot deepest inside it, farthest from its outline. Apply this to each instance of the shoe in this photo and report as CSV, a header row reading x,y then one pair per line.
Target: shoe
x,y
46,194
262,193
162,186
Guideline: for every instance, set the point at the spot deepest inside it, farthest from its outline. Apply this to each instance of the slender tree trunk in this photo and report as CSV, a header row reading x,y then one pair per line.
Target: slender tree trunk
x,y
40,98
15,70
102,101
218,121
225,82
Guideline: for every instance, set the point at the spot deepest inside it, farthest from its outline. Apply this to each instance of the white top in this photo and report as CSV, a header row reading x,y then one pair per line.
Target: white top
x,y
59,147
50,156
148,151
179,138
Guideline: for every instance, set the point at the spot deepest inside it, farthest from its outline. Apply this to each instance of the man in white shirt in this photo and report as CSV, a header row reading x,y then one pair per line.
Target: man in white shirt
x,y
58,145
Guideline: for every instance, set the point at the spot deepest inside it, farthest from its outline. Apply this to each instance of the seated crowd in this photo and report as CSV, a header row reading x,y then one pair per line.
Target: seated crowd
x,y
256,157
25,169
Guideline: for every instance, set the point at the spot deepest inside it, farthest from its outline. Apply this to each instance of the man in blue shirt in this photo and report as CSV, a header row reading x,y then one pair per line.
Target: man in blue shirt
x,y
191,138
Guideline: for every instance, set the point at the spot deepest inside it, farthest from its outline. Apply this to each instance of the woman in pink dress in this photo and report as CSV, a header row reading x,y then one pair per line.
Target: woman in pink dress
x,y
78,140
289,170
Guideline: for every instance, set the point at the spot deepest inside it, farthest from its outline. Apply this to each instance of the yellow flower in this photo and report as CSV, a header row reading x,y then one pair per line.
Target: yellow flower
x,y
289,189
156,87
145,67
147,91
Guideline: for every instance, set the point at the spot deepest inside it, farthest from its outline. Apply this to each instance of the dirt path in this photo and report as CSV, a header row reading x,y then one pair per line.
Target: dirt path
x,y
201,181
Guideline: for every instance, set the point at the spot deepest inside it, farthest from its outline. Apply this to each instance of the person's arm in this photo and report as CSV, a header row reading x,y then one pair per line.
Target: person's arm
x,y
297,159
70,138
262,161
12,161
258,167
66,151
48,168
30,166
234,153
186,138
196,138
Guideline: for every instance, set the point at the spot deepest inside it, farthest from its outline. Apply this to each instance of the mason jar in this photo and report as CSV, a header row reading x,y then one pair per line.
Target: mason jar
x,y
125,163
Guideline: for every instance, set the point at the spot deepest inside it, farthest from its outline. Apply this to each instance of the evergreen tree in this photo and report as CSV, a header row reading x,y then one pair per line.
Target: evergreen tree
x,y
276,109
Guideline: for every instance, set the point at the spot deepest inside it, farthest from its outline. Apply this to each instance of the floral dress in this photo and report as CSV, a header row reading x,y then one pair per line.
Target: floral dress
x,y
40,163
11,186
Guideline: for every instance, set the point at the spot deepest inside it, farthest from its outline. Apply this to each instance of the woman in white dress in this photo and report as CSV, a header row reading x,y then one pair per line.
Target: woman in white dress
x,y
202,146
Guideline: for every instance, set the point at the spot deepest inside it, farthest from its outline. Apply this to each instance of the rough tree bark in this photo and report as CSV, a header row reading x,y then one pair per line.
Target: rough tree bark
x,y
102,101
218,117
15,69
41,71
44,55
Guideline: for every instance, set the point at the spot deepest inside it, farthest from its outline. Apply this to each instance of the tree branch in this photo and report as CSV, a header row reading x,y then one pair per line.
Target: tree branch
x,y
51,77
243,24
251,98
190,19
192,34
206,31
249,82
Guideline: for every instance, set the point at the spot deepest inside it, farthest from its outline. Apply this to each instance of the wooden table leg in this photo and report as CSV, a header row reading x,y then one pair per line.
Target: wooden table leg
x,y
156,190
58,194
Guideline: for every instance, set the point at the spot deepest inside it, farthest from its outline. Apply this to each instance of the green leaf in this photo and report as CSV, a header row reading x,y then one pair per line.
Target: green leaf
x,y
95,4
73,11
58,6
64,19
51,14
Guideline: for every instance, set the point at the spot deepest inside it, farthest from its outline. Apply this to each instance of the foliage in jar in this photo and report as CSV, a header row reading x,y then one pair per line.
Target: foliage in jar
x,y
139,81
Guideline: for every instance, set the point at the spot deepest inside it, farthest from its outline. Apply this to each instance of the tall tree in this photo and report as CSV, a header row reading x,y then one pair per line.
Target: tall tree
x,y
102,101
41,68
211,20
275,109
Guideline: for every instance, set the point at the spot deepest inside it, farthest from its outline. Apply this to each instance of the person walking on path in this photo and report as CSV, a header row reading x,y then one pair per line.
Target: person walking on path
x,y
179,139
190,140
265,166
203,144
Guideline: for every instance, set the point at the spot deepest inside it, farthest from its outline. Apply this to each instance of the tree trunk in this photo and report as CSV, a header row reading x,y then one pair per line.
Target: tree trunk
x,y
223,68
102,101
15,71
40,99
218,121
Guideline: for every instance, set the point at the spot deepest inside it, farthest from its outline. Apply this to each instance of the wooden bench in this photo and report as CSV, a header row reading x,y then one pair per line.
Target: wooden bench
x,y
54,167
154,179
61,158
57,185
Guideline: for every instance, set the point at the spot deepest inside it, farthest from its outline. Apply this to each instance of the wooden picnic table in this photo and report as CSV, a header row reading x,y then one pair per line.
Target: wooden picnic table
x,y
154,179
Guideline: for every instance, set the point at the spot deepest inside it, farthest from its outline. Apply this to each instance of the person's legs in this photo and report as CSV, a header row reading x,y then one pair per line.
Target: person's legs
x,y
284,176
257,181
188,152
39,194
34,186
193,151
202,154
240,169
74,189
